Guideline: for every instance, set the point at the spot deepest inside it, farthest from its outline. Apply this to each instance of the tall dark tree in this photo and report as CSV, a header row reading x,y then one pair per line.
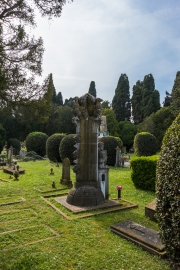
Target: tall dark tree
x,y
68,102
92,89
136,101
21,54
59,99
52,88
121,103
176,94
150,96
167,100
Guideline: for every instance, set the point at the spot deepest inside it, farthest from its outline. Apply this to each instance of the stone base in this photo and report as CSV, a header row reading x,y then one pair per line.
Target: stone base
x,y
85,196
66,182
11,171
150,210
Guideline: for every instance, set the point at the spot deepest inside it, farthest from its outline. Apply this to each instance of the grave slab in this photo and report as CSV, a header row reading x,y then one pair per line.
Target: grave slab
x,y
145,237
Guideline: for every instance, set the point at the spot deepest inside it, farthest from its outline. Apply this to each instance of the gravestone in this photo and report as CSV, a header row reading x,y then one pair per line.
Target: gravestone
x,y
10,156
66,173
147,238
118,157
86,116
103,170
150,210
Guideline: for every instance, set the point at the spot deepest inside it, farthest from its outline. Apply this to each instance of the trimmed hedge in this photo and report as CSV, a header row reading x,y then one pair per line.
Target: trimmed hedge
x,y
36,141
52,147
143,172
145,144
168,191
67,148
110,144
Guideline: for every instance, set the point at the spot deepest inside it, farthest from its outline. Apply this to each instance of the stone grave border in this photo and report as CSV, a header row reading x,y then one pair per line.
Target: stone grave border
x,y
104,211
13,202
50,190
19,210
4,180
56,234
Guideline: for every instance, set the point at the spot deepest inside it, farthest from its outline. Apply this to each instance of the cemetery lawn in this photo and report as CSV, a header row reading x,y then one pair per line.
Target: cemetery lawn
x,y
33,236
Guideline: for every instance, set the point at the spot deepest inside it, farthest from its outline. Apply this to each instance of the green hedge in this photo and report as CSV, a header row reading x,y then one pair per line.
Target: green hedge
x,y
145,144
67,148
36,141
143,172
16,145
52,147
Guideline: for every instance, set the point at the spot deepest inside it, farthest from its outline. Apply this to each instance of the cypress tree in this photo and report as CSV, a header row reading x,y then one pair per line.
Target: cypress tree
x,y
92,89
176,94
167,100
121,101
59,99
136,101
51,86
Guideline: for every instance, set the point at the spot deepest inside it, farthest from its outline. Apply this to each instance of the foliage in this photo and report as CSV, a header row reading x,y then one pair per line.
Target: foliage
x,y
20,54
16,144
143,172
110,144
106,104
112,123
92,89
157,123
127,132
68,102
175,95
32,156
60,121
145,144
2,138
36,141
52,147
167,100
59,99
67,148
121,101
168,191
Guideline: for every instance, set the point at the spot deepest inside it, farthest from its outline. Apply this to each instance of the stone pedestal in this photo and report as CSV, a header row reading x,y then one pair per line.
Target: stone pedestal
x,y
86,190
150,210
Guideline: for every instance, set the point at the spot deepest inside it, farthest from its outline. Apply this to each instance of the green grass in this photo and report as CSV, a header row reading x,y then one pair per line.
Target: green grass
x,y
34,236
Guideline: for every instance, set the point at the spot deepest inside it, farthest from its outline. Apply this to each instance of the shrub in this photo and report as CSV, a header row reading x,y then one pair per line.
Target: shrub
x,y
145,144
2,137
52,147
32,156
110,144
168,191
36,141
143,173
16,144
67,148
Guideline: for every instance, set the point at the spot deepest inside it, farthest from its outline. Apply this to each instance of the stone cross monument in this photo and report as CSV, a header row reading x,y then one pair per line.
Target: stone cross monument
x,y
86,190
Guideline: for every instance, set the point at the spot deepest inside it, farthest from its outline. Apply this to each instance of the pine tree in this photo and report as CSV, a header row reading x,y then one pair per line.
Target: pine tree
x,y
167,100
121,101
92,89
176,94
136,101
51,86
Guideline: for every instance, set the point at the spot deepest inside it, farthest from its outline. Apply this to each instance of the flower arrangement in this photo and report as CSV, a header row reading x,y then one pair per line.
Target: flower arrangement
x,y
118,187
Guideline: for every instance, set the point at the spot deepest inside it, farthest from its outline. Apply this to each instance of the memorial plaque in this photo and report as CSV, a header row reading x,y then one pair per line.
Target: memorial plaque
x,y
147,238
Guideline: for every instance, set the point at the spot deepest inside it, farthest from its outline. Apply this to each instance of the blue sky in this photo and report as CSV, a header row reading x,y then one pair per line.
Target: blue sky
x,y
98,40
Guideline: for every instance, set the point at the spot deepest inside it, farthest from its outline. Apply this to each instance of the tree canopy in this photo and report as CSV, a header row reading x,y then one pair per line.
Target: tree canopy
x,y
92,89
20,53
176,94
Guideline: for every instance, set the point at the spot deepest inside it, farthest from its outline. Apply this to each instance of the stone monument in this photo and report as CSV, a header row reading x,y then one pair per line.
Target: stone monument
x,y
103,170
66,173
86,116
118,157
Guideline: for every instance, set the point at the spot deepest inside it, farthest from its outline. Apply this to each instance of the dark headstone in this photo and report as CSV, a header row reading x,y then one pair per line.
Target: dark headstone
x,y
147,238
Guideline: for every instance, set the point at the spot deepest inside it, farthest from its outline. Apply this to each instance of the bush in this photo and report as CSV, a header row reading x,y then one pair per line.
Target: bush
x,y
168,191
32,156
2,138
145,144
143,172
110,144
16,144
36,141
67,148
52,147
